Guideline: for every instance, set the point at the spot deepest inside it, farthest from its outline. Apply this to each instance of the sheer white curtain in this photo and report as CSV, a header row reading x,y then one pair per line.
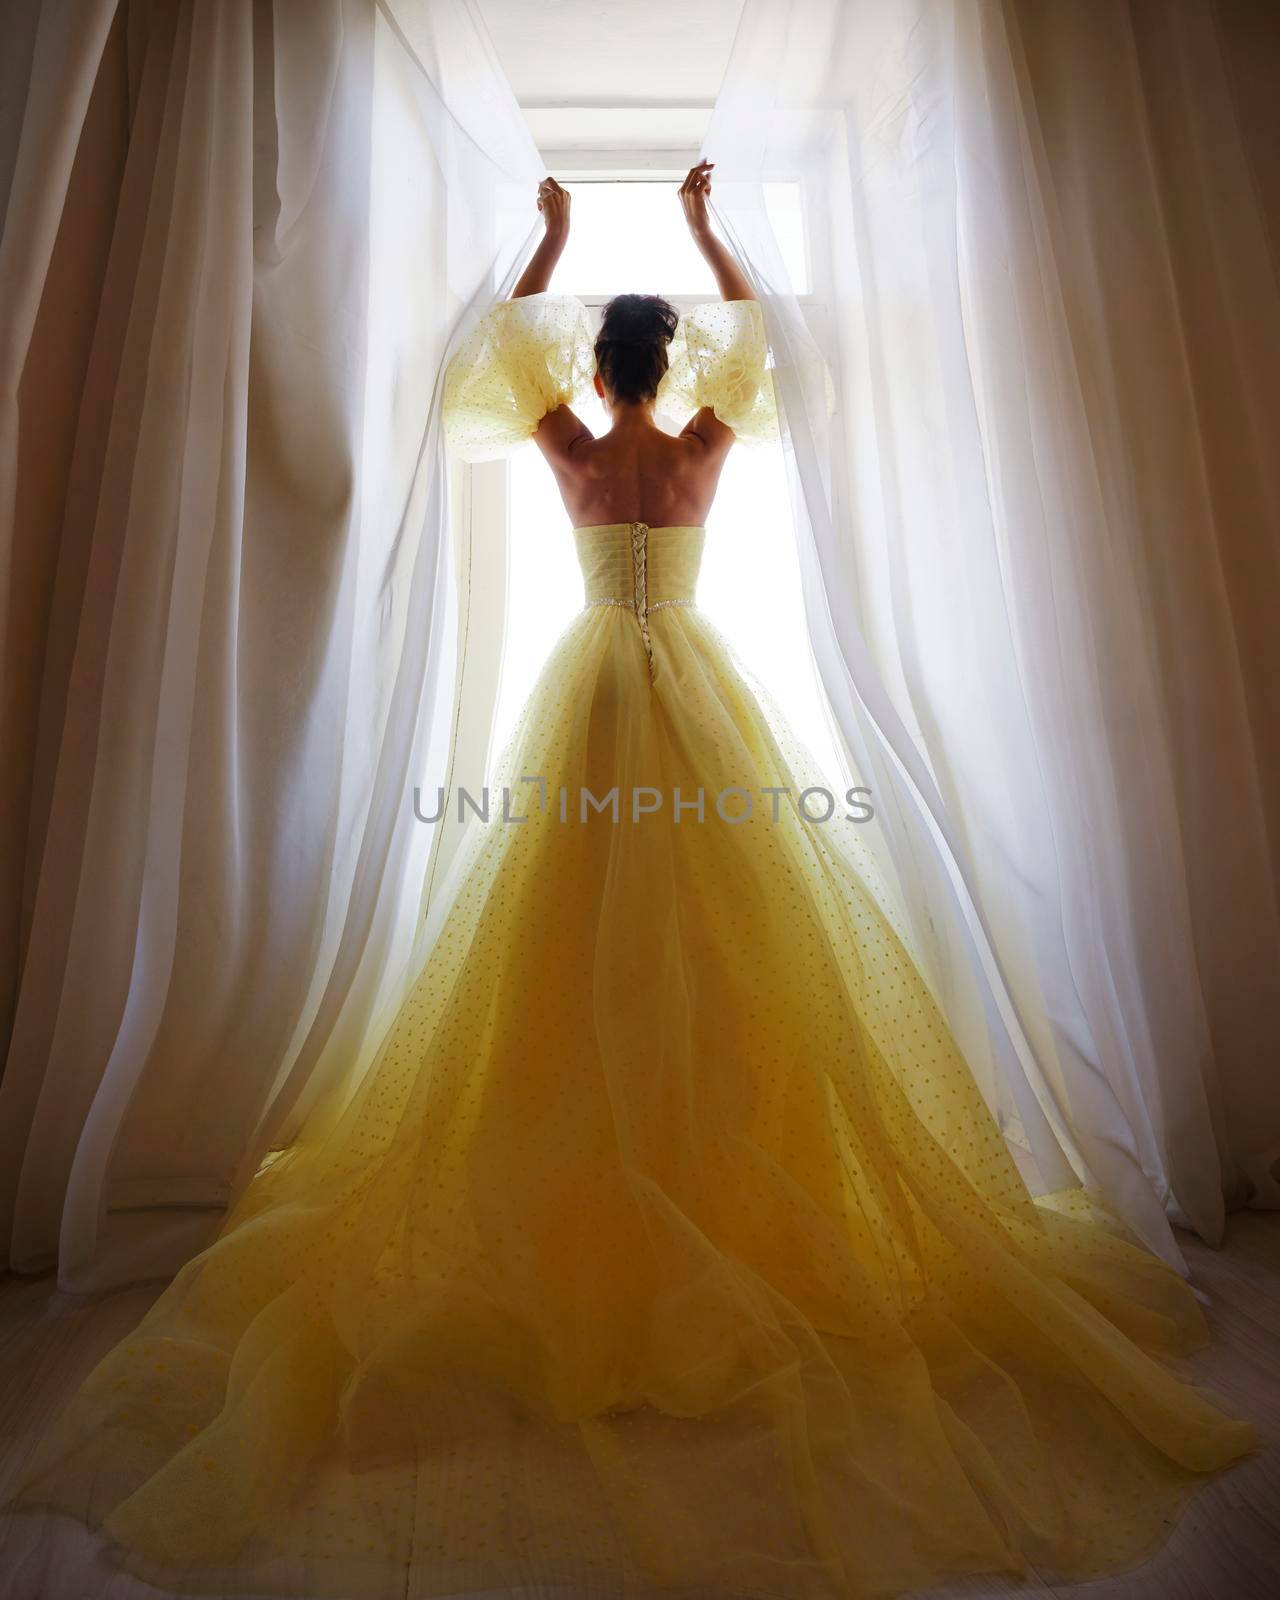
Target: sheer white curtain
x,y
238,241
1039,539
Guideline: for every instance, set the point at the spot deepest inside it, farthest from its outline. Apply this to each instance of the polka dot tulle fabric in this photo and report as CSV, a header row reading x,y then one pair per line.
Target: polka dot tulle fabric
x,y
525,357
522,359
668,1245
719,358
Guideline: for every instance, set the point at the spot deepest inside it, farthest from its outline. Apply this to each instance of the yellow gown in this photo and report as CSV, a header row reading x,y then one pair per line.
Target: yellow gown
x,y
668,1245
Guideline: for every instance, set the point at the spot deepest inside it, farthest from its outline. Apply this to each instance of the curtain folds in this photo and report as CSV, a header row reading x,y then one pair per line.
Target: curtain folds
x,y
1039,535
239,241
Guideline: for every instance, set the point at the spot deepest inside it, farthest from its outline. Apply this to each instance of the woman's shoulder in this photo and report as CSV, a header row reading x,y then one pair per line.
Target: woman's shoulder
x,y
520,359
719,358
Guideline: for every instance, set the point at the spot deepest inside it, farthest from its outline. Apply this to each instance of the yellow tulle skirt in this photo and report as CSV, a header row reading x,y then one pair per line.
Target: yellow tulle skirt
x,y
667,1245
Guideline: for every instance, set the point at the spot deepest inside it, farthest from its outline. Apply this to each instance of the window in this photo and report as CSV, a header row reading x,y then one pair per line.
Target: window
x,y
630,237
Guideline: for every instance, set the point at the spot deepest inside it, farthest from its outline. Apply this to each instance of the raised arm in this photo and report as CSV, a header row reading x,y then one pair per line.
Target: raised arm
x,y
553,202
559,431
693,197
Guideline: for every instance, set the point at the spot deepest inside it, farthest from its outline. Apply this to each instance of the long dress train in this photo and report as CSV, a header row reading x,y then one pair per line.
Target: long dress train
x,y
668,1244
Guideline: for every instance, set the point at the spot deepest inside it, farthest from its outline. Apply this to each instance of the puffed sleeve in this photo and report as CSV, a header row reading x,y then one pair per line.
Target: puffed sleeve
x,y
719,357
522,359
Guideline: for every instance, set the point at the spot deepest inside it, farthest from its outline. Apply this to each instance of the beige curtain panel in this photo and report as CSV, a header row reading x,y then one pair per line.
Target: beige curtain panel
x,y
237,241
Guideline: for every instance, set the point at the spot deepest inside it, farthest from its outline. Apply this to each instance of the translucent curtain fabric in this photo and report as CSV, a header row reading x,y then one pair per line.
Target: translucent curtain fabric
x,y
1023,529
242,654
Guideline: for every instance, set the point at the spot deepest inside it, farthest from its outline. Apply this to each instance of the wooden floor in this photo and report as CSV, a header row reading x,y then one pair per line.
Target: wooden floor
x,y
1226,1546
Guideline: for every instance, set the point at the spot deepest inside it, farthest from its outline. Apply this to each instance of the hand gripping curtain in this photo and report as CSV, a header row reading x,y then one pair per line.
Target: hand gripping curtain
x,y
1025,423
239,242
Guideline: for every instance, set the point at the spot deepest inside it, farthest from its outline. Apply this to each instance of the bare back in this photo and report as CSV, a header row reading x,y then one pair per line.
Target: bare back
x,y
635,471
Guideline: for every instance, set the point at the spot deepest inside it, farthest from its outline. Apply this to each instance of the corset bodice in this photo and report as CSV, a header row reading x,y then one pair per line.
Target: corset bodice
x,y
643,569
615,556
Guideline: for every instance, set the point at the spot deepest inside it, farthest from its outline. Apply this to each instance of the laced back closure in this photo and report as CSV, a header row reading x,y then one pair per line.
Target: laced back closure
x,y
639,565
659,566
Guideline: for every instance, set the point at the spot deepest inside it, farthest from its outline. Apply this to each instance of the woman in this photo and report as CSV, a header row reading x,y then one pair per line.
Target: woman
x,y
668,1242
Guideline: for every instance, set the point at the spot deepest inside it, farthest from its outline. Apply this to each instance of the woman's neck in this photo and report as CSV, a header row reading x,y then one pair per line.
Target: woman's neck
x,y
632,416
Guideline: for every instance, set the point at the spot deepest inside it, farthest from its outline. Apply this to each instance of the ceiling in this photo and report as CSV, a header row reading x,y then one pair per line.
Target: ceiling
x,y
599,77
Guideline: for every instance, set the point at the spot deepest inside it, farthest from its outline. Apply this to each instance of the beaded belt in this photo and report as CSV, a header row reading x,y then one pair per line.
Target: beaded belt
x,y
639,601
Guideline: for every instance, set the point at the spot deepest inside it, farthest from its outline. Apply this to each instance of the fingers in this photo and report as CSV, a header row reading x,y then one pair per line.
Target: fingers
x,y
699,179
552,197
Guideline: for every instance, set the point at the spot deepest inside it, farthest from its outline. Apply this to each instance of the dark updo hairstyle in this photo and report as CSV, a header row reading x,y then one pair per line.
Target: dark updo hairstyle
x,y
631,350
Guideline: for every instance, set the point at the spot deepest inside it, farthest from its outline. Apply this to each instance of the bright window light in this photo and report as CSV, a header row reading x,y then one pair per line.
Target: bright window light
x,y
750,581
629,237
